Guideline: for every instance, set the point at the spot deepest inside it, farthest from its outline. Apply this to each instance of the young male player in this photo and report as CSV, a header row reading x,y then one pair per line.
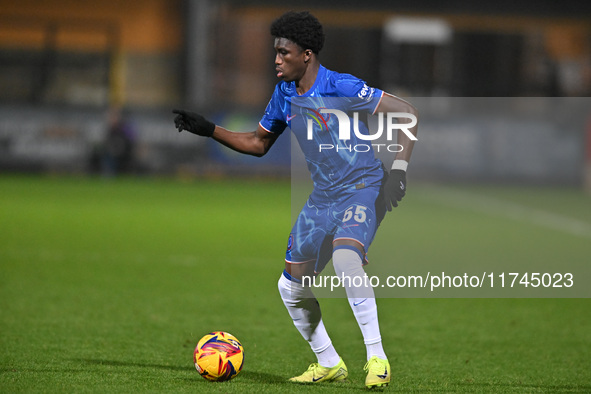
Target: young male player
x,y
351,189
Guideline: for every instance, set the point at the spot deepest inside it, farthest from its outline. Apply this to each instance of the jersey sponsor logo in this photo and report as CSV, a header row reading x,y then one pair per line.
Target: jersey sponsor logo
x,y
366,93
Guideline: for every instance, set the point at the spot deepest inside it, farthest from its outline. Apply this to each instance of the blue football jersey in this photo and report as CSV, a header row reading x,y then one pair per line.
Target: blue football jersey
x,y
334,163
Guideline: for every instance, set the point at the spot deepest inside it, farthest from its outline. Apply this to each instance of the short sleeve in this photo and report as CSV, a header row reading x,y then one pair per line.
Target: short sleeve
x,y
362,96
274,119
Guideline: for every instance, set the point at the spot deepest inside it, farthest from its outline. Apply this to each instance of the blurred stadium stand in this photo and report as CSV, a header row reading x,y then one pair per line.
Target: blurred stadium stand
x,y
63,64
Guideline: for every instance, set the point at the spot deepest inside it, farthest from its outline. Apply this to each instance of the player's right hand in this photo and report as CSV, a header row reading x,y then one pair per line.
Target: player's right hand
x,y
193,123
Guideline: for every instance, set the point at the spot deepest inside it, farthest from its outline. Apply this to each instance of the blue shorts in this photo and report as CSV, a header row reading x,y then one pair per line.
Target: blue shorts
x,y
352,214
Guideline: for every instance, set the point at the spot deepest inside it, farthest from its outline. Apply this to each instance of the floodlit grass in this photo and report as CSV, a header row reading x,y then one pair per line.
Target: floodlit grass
x,y
106,286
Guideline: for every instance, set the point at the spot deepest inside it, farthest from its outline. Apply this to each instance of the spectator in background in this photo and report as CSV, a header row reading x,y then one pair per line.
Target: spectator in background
x,y
115,155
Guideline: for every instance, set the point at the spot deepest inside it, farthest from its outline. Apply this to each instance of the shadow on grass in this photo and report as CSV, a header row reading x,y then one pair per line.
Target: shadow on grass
x,y
115,363
247,377
253,376
261,377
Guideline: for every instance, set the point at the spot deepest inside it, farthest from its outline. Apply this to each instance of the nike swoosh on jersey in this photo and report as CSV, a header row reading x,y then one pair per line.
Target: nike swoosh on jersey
x,y
289,118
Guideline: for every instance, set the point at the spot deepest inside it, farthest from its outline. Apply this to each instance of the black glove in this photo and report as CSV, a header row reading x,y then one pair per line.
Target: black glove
x,y
395,188
193,123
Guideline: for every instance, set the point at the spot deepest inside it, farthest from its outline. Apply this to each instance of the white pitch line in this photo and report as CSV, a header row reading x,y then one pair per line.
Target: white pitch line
x,y
498,207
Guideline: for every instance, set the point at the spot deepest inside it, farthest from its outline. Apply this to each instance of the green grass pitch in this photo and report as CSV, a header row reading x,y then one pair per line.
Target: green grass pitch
x,y
106,286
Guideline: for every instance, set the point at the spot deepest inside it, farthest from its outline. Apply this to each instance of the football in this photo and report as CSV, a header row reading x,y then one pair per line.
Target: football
x,y
219,356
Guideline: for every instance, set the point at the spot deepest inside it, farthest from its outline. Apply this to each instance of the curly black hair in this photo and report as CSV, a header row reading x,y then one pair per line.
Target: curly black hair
x,y
300,27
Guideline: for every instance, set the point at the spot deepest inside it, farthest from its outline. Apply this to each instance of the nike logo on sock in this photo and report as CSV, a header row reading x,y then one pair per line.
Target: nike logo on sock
x,y
360,302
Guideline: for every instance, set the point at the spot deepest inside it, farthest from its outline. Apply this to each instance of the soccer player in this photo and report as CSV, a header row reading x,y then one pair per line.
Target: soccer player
x,y
352,190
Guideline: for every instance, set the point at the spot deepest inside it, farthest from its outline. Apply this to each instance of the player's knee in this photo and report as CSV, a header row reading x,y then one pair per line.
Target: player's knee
x,y
284,285
290,287
347,260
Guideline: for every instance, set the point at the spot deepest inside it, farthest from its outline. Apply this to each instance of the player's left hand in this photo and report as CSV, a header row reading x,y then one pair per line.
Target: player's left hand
x,y
395,188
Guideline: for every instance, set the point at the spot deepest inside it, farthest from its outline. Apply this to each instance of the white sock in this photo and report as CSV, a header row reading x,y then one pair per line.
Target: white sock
x,y
347,265
375,349
328,357
304,310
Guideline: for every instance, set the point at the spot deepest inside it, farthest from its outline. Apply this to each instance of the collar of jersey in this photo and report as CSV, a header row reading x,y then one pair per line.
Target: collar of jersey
x,y
319,77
